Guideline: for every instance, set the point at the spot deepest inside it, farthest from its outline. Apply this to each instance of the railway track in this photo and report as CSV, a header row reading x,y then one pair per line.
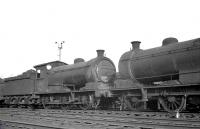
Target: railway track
x,y
139,115
99,119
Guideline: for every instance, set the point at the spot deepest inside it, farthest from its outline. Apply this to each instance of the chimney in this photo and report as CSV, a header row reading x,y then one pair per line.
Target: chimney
x,y
135,45
100,53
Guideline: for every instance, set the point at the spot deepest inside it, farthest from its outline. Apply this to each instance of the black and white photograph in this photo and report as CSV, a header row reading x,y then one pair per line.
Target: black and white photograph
x,y
100,64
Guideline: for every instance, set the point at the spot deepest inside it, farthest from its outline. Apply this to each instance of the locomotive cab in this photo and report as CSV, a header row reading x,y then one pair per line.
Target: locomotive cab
x,y
43,71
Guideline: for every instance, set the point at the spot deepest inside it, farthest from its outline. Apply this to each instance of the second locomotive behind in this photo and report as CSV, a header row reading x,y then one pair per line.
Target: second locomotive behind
x,y
163,77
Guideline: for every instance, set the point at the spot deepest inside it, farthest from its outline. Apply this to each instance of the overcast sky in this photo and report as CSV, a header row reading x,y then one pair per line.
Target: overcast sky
x,y
30,28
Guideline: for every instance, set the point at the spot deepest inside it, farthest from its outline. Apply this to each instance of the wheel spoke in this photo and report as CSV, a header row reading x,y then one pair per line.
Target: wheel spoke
x,y
177,102
175,105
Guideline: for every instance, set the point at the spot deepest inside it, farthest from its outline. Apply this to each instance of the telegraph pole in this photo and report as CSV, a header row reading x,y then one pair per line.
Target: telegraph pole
x,y
60,46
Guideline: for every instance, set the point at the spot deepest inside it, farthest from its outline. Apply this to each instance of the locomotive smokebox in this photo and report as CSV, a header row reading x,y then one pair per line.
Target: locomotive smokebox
x,y
135,45
100,53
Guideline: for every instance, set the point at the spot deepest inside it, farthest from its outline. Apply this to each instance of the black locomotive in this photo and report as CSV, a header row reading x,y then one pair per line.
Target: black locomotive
x,y
163,78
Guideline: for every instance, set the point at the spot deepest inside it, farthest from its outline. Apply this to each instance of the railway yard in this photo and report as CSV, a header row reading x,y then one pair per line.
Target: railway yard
x,y
14,118
157,88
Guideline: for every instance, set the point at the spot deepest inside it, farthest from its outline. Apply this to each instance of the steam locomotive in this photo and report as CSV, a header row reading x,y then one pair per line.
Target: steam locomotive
x,y
162,78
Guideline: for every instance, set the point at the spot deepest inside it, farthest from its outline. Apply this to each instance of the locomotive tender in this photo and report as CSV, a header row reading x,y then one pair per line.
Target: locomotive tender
x,y
162,78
